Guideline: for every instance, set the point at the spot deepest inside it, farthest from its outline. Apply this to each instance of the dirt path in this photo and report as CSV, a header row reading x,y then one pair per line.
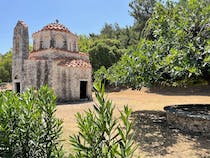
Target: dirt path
x,y
152,133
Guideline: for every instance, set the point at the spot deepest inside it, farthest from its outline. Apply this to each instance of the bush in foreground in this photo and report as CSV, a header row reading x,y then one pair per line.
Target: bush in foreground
x,y
28,127
100,134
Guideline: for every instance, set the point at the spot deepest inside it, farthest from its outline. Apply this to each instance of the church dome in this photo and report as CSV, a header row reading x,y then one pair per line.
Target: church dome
x,y
56,36
55,26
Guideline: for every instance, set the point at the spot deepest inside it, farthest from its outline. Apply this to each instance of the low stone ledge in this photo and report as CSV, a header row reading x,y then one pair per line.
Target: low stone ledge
x,y
191,118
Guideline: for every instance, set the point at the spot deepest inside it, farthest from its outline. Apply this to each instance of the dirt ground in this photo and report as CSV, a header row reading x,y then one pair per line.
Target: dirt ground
x,y
152,134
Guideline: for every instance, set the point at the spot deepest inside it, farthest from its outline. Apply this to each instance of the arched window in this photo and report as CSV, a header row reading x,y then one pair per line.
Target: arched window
x,y
16,77
34,45
52,43
41,45
65,45
75,46
70,47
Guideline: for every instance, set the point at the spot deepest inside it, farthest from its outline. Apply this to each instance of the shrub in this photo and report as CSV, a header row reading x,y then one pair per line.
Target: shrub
x,y
28,127
100,134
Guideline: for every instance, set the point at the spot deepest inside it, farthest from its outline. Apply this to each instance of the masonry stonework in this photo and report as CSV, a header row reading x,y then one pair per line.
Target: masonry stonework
x,y
54,61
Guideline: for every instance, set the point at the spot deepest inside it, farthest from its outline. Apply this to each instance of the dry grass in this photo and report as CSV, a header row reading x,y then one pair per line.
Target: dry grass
x,y
155,139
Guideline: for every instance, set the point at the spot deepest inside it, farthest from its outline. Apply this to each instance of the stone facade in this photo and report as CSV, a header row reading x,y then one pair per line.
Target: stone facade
x,y
55,61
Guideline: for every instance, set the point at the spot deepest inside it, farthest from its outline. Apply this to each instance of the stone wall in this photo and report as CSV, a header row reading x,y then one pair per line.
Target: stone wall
x,y
59,38
51,54
66,82
37,73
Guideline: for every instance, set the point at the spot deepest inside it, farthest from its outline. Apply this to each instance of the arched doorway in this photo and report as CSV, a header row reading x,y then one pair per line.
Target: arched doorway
x,y
16,84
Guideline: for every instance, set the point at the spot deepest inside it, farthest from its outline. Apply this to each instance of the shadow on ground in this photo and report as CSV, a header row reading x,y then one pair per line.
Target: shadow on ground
x,y
180,91
152,133
154,136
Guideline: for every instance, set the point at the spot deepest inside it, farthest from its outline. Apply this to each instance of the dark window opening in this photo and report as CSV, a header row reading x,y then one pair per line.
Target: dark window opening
x,y
70,46
83,89
41,45
74,46
52,43
17,87
16,77
64,45
34,44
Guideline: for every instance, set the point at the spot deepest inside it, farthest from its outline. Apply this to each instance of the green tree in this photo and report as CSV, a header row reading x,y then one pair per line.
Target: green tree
x,y
85,43
177,54
105,52
108,31
111,31
135,68
100,75
127,36
181,36
6,67
141,11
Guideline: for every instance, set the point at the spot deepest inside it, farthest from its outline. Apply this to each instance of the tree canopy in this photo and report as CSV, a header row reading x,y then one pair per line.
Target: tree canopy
x,y
105,52
177,53
6,67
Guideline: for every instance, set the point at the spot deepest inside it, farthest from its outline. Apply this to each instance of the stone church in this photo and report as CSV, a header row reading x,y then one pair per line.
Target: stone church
x,y
54,61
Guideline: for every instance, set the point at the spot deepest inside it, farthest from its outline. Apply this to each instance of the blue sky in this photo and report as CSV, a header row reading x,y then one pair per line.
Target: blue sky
x,y
80,16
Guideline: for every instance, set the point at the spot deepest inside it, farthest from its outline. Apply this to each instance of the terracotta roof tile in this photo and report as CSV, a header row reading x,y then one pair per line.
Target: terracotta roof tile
x,y
60,50
75,63
55,26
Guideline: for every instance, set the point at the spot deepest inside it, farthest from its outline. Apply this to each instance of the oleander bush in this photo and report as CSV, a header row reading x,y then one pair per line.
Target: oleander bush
x,y
100,134
28,127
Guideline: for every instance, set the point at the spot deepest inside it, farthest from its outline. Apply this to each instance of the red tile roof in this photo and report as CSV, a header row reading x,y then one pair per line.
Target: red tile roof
x,y
75,63
55,26
59,50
